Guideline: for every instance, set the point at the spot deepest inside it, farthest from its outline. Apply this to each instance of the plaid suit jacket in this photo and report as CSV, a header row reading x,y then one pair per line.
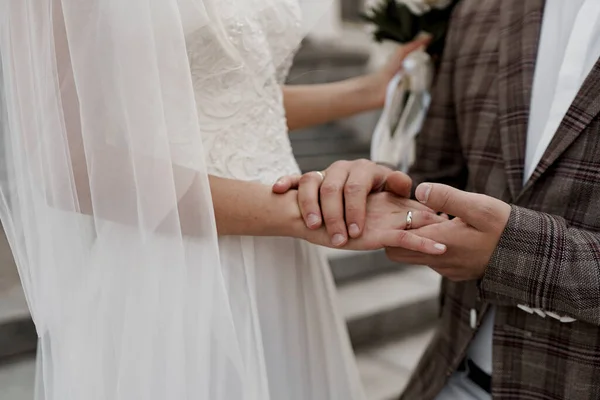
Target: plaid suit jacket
x,y
549,255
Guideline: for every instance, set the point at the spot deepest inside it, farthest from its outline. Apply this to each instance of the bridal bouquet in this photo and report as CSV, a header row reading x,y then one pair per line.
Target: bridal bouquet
x,y
403,20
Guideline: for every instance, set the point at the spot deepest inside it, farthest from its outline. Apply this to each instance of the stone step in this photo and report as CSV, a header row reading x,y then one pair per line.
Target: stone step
x,y
17,332
318,147
389,304
385,369
17,378
348,265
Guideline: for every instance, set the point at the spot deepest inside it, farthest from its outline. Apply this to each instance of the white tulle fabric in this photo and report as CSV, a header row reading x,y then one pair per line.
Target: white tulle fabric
x,y
108,107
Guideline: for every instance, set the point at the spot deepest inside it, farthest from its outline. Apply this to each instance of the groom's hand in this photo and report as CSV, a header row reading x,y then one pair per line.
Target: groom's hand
x,y
471,237
338,195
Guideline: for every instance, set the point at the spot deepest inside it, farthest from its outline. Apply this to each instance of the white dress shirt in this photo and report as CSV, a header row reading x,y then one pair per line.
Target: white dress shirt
x,y
568,49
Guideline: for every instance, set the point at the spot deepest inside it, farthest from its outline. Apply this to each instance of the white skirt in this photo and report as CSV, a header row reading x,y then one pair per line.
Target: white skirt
x,y
302,343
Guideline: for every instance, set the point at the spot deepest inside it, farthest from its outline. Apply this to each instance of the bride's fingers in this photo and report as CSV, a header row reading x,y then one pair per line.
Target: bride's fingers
x,y
419,219
286,183
409,241
308,199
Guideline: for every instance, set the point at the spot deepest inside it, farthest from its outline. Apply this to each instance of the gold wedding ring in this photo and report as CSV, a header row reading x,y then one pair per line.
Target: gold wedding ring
x,y
408,220
321,174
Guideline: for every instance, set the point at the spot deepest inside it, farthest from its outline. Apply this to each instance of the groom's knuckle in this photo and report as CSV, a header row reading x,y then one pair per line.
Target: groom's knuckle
x,y
485,211
445,199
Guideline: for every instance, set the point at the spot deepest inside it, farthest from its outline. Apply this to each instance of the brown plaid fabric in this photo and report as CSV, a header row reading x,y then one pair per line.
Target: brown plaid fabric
x,y
549,255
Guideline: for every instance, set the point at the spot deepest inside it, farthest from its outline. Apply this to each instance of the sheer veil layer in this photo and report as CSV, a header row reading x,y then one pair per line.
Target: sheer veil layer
x,y
105,199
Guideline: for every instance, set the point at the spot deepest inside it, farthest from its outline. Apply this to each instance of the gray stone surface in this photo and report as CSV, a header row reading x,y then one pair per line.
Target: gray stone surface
x,y
318,147
390,304
17,333
348,266
17,378
386,369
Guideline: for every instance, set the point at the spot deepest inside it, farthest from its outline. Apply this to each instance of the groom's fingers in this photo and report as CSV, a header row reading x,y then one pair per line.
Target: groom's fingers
x,y
477,210
446,199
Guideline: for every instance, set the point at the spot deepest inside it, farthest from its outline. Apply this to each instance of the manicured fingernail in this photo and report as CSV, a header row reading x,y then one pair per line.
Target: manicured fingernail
x,y
312,220
338,240
353,230
279,181
440,247
424,195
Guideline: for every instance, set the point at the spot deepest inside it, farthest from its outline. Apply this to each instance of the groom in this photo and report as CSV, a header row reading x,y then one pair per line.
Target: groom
x,y
511,148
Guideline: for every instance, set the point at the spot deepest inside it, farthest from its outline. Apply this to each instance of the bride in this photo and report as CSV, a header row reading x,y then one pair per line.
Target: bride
x,y
140,138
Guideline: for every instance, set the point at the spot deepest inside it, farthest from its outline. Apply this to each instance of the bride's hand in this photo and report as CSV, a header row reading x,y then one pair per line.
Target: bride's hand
x,y
385,226
337,197
379,80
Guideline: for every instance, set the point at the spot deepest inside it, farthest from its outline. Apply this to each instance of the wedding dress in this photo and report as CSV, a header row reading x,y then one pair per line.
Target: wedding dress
x,y
287,310
112,115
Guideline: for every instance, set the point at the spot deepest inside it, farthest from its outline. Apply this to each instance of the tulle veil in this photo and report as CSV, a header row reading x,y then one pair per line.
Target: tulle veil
x,y
105,200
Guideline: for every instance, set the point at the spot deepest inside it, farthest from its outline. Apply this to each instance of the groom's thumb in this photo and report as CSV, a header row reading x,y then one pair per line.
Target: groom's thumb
x,y
446,199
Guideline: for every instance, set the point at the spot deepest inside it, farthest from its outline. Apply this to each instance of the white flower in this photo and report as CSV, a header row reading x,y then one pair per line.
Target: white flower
x,y
420,7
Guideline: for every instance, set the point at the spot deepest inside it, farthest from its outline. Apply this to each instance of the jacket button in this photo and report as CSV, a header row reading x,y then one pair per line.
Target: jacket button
x,y
473,317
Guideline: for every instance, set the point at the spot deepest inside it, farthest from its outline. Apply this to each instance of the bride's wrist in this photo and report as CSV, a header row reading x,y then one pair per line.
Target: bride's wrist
x,y
289,221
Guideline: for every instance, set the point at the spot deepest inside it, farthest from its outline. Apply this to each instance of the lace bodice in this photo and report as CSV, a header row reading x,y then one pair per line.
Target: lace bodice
x,y
237,87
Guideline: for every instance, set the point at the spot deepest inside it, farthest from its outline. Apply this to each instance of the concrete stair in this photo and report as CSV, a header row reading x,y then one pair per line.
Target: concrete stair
x,y
385,369
17,333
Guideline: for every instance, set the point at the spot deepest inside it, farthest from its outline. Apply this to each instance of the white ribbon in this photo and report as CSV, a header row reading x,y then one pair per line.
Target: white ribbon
x,y
393,145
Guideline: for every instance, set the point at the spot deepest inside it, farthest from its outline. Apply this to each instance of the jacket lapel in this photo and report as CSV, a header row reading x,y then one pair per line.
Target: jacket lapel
x,y
584,109
520,25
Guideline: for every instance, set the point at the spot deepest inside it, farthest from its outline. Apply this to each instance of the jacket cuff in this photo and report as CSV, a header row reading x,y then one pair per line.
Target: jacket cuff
x,y
517,271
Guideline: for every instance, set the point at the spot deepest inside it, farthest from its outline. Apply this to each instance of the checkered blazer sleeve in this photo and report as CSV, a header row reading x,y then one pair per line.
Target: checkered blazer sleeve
x,y
439,156
543,263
